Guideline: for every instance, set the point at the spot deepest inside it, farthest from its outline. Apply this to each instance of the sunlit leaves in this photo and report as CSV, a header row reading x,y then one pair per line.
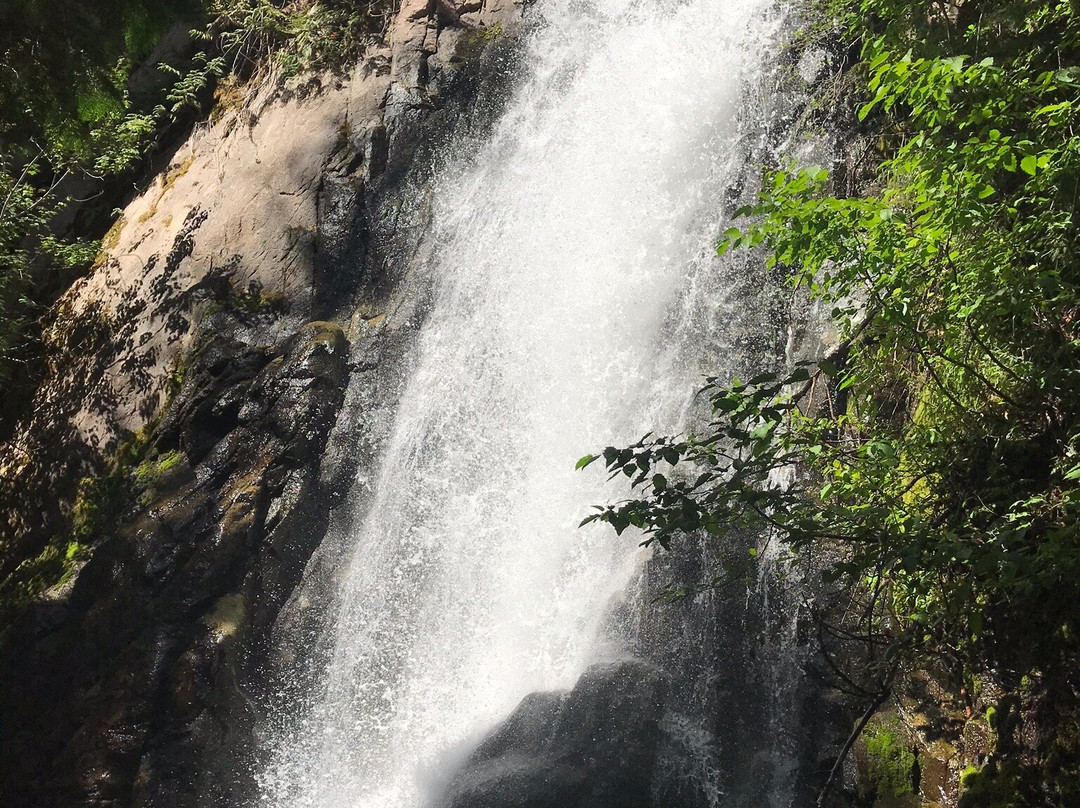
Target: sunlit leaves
x,y
938,446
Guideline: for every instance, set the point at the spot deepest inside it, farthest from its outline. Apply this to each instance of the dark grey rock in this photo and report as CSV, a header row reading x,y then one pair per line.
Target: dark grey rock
x,y
592,747
340,243
141,685
134,689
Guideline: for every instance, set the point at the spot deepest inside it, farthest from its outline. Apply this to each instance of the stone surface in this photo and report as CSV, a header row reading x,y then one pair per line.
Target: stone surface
x,y
592,747
117,698
137,683
286,200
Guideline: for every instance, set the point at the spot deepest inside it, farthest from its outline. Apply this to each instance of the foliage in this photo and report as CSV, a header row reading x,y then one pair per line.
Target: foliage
x,y
151,470
71,123
287,39
67,63
68,122
937,452
74,122
993,786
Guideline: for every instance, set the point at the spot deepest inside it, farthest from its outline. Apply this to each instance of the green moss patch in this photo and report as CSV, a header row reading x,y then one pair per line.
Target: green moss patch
x,y
99,506
992,787
888,761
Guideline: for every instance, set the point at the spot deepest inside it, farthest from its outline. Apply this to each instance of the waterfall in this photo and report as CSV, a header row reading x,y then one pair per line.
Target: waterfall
x,y
576,302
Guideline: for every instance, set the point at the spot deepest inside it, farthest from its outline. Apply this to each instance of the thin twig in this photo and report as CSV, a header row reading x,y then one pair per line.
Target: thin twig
x,y
879,699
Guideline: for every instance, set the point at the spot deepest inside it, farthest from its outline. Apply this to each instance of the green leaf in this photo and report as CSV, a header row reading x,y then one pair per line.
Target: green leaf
x,y
828,368
585,461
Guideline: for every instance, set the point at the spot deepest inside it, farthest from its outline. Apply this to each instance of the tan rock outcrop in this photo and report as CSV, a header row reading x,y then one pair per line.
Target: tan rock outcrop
x,y
233,219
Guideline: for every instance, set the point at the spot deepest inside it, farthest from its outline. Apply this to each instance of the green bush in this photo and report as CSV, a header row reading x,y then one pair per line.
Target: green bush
x,y
992,786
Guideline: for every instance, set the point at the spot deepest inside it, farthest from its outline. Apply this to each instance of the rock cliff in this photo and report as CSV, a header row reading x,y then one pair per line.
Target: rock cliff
x,y
193,430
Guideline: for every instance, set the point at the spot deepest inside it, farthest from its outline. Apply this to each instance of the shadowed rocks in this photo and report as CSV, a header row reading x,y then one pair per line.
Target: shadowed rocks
x,y
592,747
131,690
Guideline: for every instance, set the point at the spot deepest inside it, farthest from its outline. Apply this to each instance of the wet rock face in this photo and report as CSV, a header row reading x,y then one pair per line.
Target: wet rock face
x,y
591,747
137,684
292,196
134,689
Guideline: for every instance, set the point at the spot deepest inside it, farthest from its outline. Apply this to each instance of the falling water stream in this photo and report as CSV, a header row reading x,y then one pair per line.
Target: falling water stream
x,y
576,301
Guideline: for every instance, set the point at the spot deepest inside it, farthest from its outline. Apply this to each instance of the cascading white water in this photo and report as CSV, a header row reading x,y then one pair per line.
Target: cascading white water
x,y
575,287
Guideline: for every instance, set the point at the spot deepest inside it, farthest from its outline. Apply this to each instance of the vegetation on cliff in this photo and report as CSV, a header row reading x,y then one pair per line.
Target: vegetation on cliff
x,y
89,91
90,95
936,453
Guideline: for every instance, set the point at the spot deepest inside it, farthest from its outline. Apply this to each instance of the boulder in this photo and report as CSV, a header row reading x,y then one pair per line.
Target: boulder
x,y
591,747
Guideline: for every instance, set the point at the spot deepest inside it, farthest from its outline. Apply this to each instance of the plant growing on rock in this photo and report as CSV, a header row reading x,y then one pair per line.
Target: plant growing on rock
x,y
937,451
82,104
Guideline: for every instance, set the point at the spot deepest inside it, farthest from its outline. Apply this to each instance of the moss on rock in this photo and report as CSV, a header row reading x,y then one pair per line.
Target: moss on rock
x,y
887,763
992,786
